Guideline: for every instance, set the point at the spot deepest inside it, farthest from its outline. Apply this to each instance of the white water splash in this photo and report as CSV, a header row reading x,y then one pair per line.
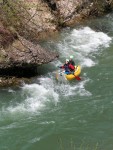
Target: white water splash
x,y
88,40
36,98
77,89
83,44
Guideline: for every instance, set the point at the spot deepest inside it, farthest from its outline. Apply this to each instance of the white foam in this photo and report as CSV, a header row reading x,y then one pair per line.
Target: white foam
x,y
11,91
36,98
79,89
34,140
38,95
67,89
87,62
83,44
88,40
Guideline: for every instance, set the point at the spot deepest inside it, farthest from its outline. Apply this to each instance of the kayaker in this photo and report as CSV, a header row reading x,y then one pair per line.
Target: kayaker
x,y
71,64
71,68
71,61
66,67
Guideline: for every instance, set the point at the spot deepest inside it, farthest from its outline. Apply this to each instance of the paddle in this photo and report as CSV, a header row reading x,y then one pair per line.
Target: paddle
x,y
77,77
57,75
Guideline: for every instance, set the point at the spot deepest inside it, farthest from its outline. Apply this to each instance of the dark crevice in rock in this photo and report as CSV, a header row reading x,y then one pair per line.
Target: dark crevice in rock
x,y
19,71
108,8
51,4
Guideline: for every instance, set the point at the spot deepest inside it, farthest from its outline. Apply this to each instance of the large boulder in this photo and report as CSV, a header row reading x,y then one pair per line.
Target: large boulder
x,y
17,53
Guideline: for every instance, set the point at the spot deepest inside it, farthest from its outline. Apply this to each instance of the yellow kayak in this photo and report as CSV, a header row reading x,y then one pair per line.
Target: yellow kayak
x,y
76,73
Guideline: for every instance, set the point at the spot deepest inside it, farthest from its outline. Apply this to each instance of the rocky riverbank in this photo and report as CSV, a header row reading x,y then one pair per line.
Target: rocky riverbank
x,y
24,23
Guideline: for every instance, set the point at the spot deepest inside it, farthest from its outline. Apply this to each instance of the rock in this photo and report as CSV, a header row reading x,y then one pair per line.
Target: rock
x,y
20,57
13,81
74,11
35,20
6,37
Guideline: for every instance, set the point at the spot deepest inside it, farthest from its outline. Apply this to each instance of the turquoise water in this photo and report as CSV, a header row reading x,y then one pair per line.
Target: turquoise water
x,y
52,115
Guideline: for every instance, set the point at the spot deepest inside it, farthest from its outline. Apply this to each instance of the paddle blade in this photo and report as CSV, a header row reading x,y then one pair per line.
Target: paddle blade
x,y
57,75
77,77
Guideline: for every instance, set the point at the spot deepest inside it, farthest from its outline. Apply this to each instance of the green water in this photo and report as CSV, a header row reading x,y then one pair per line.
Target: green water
x,y
51,115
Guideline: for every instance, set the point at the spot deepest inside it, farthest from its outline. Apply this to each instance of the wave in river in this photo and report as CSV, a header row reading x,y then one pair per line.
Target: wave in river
x,y
83,44
34,98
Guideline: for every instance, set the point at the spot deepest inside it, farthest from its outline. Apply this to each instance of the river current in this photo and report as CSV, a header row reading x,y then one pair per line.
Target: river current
x,y
65,115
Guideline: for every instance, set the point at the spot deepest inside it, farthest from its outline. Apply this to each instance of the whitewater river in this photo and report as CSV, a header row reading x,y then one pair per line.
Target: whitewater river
x,y
76,115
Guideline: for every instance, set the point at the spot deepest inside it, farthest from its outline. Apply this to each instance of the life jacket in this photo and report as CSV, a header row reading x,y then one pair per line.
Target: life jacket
x,y
71,67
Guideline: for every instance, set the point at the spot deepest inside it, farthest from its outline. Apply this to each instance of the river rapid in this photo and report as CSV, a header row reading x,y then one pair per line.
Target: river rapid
x,y
75,115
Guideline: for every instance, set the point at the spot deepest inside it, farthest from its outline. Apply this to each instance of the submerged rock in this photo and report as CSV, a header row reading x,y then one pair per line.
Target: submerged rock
x,y
13,81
